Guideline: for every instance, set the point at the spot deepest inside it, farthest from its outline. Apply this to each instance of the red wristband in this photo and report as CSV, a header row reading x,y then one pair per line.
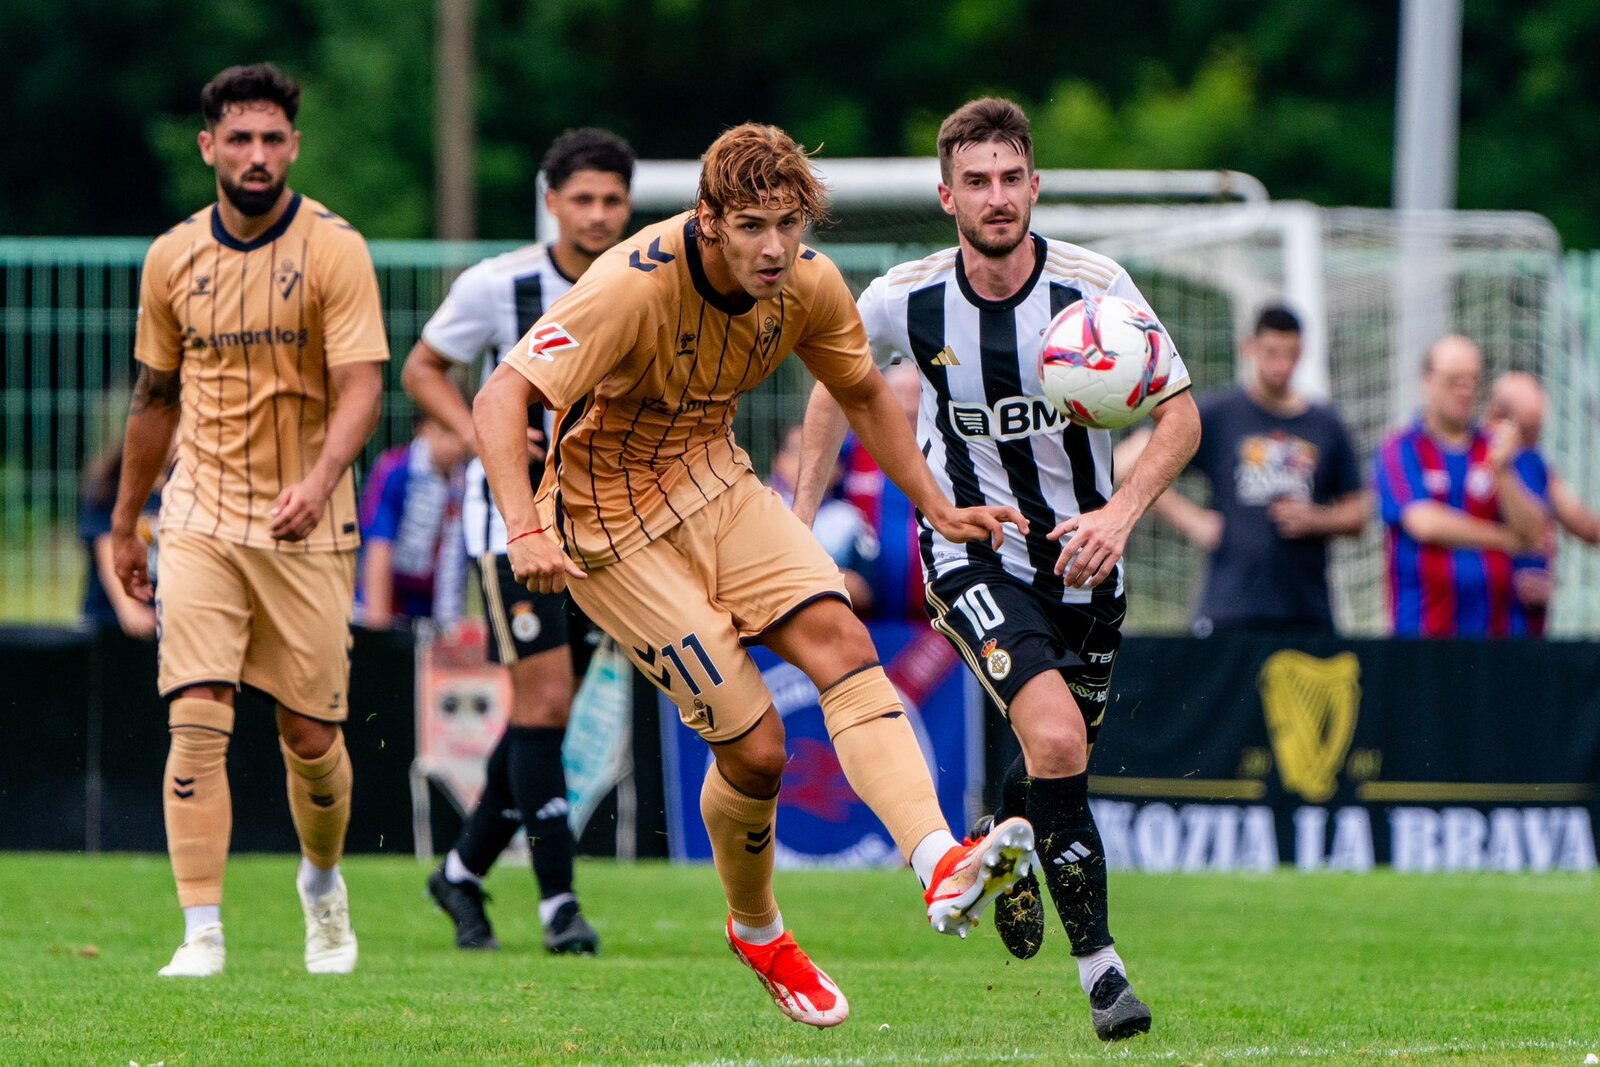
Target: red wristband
x,y
530,533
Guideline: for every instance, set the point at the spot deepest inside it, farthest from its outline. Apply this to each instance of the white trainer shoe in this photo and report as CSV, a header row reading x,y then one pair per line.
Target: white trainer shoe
x,y
330,939
202,956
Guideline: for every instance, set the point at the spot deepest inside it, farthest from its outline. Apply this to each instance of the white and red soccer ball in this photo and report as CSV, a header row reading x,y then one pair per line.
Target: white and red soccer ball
x,y
1104,362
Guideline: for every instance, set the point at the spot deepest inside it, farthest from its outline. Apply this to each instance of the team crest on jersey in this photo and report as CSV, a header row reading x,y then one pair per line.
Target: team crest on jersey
x,y
287,278
703,713
525,625
549,339
1480,482
996,660
768,336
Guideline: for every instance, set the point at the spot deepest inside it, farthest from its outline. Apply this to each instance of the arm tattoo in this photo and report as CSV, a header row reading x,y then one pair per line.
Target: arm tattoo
x,y
155,389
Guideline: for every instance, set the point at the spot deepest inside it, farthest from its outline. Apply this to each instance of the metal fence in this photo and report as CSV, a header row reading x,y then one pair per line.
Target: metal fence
x,y
66,367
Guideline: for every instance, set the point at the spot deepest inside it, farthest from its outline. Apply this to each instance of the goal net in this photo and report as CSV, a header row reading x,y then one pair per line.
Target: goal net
x,y
1374,287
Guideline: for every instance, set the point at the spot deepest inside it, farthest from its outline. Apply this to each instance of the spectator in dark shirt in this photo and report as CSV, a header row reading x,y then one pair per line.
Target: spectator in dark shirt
x,y
1284,482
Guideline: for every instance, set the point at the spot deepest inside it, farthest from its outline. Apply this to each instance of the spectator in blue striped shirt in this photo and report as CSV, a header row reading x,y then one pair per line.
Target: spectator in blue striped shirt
x,y
412,560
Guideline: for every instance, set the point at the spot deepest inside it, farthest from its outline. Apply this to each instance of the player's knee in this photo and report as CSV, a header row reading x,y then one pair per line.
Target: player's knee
x,y
217,694
200,729
543,704
825,640
860,696
306,738
1055,749
831,622
754,770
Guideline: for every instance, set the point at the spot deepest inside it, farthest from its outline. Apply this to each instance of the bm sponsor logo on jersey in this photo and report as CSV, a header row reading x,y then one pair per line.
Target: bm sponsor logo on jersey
x,y
1006,420
272,335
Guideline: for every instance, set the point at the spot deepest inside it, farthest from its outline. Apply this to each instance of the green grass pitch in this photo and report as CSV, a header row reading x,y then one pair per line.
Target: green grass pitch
x,y
1238,969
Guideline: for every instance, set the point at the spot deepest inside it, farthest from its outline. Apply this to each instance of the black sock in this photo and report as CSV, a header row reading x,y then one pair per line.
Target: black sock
x,y
1072,858
540,786
494,822
1013,791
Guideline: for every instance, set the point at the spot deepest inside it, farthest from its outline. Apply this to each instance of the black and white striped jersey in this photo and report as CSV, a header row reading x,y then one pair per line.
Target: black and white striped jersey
x,y
490,307
989,434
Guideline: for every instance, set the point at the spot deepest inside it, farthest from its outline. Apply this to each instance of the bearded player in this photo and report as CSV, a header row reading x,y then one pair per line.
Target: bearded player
x,y
260,342
1038,622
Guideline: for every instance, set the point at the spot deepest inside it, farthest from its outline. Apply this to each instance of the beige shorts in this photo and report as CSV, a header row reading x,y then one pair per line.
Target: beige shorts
x,y
275,621
686,606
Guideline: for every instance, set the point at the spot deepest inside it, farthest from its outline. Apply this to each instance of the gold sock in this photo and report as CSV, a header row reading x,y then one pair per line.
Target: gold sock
x,y
319,801
195,799
881,759
741,831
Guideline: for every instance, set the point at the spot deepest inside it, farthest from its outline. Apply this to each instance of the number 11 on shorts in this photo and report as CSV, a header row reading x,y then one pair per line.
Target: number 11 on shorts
x,y
691,643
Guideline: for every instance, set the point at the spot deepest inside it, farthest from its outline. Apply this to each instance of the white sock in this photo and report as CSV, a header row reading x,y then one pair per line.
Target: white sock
x,y
1093,966
196,917
759,935
926,856
316,882
550,905
456,871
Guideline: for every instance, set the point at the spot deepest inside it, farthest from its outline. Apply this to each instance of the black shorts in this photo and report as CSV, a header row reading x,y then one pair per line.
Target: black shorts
x,y
522,624
1008,633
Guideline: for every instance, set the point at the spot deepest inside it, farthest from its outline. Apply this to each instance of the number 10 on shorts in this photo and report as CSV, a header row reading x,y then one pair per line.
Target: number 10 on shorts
x,y
978,605
691,643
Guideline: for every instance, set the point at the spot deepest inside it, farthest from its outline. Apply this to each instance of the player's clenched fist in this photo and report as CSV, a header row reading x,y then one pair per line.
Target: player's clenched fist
x,y
297,509
538,562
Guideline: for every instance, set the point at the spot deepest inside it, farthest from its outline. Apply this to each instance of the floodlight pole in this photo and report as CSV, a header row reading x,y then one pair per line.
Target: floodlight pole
x,y
454,134
1427,121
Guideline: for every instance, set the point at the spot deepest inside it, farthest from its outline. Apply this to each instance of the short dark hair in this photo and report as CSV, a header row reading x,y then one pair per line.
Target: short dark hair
x,y
258,82
587,148
1277,317
988,118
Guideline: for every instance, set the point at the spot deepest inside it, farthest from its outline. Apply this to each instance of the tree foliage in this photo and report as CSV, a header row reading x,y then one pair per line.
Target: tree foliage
x,y
104,96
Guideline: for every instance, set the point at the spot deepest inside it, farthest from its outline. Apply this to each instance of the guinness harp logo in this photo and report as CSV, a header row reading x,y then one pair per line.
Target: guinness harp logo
x,y
1311,706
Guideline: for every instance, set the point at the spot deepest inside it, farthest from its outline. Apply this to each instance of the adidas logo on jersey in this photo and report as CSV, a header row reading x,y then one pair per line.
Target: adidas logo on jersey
x,y
945,358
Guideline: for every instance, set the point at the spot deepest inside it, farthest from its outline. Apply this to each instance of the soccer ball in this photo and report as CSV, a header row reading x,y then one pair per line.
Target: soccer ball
x,y
1104,361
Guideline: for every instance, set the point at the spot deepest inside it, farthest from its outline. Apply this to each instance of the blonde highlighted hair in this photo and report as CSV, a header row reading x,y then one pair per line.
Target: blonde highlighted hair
x,y
755,165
